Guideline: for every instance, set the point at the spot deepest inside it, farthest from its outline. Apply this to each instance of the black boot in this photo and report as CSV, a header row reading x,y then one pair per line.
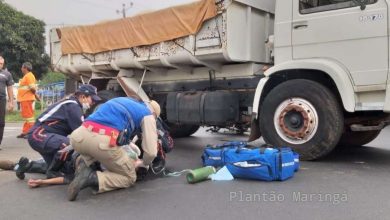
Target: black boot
x,y
24,136
79,165
37,167
86,177
22,167
27,166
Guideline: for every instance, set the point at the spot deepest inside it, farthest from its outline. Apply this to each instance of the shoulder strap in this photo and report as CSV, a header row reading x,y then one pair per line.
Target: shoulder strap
x,y
55,109
128,115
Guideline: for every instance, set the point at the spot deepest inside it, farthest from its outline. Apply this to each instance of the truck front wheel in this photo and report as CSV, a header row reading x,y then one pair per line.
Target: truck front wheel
x,y
303,115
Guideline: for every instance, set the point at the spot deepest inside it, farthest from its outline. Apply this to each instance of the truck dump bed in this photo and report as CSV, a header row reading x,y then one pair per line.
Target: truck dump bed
x,y
205,33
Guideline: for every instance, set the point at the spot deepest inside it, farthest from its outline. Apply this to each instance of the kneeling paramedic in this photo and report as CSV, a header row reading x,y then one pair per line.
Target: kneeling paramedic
x,y
98,139
68,158
50,131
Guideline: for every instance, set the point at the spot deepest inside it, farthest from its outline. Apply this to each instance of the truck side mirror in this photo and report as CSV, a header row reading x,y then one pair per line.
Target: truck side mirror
x,y
362,3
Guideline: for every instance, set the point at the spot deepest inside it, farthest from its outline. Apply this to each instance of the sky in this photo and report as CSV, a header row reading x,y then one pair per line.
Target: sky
x,y
59,13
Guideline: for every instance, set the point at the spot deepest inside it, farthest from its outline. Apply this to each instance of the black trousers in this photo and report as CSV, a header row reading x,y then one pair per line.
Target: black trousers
x,y
45,143
3,103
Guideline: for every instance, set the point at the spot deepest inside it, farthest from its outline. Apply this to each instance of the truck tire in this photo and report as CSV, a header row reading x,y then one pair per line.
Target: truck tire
x,y
303,115
180,131
357,138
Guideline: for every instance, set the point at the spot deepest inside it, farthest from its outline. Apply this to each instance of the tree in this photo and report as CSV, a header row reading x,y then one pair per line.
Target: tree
x,y
21,40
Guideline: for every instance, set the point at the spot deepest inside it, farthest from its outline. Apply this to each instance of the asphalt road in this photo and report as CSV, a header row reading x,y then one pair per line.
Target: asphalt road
x,y
349,184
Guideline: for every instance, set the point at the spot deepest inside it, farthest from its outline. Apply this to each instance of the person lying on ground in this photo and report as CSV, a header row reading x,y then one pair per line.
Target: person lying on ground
x,y
7,164
64,178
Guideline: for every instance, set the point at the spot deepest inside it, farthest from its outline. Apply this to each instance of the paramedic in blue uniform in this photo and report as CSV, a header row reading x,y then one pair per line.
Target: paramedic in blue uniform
x,y
50,131
99,139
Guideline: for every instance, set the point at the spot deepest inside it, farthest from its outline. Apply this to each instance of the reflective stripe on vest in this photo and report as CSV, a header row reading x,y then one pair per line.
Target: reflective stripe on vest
x,y
55,109
27,87
32,119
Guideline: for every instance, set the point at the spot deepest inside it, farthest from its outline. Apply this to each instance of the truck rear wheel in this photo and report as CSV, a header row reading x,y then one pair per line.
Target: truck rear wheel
x,y
357,138
303,115
180,131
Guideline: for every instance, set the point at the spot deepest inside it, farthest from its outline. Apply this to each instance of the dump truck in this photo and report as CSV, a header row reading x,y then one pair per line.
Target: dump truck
x,y
309,74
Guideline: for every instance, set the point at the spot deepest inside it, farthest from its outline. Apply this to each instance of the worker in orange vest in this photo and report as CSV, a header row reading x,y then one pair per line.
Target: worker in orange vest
x,y
26,97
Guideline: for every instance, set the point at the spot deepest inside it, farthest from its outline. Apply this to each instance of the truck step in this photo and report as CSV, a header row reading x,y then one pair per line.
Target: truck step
x,y
360,127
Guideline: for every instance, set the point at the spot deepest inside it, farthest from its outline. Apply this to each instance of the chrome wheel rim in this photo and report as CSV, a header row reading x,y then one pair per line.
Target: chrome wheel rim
x,y
296,121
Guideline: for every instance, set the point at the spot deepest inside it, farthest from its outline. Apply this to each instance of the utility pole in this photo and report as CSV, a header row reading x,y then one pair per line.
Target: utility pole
x,y
124,9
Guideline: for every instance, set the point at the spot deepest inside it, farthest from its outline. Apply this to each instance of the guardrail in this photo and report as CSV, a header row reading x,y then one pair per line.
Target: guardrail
x,y
50,93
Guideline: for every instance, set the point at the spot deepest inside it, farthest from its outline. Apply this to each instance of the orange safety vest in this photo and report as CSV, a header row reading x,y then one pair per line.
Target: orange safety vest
x,y
25,84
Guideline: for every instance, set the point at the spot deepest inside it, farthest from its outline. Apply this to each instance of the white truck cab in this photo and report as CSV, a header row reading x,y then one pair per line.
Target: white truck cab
x,y
329,82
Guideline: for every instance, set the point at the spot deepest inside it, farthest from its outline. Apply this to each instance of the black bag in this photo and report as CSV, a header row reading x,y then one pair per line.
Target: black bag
x,y
165,145
164,138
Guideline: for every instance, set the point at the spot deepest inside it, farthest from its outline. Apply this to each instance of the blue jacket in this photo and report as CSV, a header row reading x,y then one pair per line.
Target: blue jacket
x,y
121,113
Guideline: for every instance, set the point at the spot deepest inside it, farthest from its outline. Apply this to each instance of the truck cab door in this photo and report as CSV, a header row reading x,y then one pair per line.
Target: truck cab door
x,y
341,31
